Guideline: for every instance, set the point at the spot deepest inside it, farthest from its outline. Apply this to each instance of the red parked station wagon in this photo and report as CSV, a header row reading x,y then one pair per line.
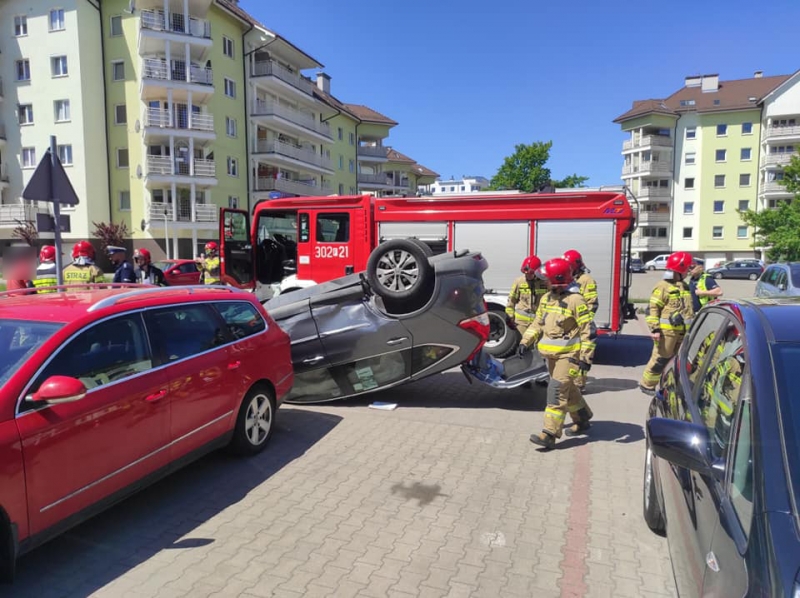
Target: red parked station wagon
x,y
102,391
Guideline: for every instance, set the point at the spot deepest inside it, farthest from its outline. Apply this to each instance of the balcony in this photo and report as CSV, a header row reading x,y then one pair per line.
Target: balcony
x,y
654,193
157,75
291,151
367,179
647,141
174,22
271,69
650,243
775,188
645,218
371,153
180,122
293,121
647,167
293,187
164,169
12,214
784,133
203,212
777,159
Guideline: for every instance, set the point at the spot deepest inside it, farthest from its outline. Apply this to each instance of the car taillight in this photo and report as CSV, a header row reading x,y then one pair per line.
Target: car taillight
x,y
479,326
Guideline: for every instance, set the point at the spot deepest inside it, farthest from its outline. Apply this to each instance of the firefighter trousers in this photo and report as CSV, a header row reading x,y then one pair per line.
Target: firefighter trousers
x,y
664,348
563,396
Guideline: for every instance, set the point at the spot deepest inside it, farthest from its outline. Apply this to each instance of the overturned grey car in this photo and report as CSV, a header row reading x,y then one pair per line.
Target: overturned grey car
x,y
410,315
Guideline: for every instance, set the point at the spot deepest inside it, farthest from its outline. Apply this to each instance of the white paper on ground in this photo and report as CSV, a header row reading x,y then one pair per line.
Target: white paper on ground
x,y
384,406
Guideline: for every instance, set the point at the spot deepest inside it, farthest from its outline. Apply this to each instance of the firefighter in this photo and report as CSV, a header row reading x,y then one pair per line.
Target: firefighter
x,y
702,286
670,316
123,271
46,273
209,265
526,292
561,332
83,269
588,288
147,273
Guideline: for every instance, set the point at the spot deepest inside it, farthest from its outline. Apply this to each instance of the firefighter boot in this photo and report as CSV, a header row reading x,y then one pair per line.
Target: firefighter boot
x,y
581,423
544,440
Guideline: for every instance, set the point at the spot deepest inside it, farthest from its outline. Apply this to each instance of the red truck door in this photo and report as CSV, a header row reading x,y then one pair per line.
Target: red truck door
x,y
330,251
237,263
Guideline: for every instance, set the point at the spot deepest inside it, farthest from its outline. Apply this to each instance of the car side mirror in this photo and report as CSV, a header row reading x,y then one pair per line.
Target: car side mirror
x,y
59,389
782,287
173,272
681,443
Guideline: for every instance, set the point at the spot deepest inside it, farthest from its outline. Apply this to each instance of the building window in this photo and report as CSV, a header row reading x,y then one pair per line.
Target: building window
x,y
227,46
719,206
746,154
352,138
20,26
721,155
57,19
687,232
688,183
741,232
61,108
722,130
688,207
122,157
744,205
691,132
116,26
25,113
230,88
233,167
716,232
118,70
29,157
230,126
341,188
341,162
747,128
58,66
352,190
120,114
719,181
125,201
340,133
655,232
744,180
23,70
690,158
352,166
233,202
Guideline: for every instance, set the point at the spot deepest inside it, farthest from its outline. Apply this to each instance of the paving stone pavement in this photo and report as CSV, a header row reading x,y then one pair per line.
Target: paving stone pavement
x,y
444,496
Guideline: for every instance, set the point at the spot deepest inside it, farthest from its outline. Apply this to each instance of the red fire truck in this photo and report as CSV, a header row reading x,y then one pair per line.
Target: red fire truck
x,y
301,241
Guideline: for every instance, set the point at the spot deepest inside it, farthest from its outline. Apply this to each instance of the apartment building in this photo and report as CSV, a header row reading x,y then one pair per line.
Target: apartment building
x,y
371,153
700,156
454,186
344,127
50,74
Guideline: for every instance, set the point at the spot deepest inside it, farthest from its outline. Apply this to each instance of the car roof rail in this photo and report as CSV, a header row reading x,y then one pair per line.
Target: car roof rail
x,y
147,291
81,286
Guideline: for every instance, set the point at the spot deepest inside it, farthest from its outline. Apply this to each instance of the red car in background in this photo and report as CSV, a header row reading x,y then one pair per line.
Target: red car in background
x,y
179,272
102,391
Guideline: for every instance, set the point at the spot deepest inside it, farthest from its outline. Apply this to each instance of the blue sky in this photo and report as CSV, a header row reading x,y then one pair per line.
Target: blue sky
x,y
468,80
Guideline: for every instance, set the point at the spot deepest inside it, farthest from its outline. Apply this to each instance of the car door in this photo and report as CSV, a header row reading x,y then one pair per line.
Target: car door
x,y
766,285
188,273
332,253
80,452
190,345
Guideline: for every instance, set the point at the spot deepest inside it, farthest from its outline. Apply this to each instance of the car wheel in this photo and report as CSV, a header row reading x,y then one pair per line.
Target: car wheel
x,y
422,245
753,276
255,421
718,275
399,270
8,553
652,511
503,340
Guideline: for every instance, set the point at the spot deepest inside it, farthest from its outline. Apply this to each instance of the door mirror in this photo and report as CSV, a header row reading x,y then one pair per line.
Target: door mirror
x,y
782,286
173,272
59,389
681,443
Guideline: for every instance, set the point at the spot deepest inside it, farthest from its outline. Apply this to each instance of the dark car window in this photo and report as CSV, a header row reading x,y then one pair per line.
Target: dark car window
x,y
19,339
794,269
741,489
242,318
782,278
180,332
188,268
107,352
703,334
721,389
333,228
786,356
771,275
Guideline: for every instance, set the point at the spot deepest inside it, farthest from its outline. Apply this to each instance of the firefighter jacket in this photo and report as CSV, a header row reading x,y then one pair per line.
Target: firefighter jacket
x,y
75,274
588,288
46,276
210,269
702,284
524,298
561,327
670,308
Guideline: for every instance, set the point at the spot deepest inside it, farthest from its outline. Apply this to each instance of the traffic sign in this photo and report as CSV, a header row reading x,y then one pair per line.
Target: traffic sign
x,y
50,183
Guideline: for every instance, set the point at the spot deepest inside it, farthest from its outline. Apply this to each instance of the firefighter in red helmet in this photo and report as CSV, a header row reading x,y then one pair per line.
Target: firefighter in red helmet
x,y
669,317
46,273
209,264
588,288
526,292
561,331
146,272
83,269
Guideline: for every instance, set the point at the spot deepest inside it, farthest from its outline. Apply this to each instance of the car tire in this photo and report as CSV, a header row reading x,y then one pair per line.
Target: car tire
x,y
753,276
653,516
399,270
8,553
255,421
503,340
651,268
718,275
422,245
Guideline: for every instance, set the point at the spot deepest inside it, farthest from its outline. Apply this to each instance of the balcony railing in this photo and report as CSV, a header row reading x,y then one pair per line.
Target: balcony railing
x,y
13,214
782,131
653,193
167,166
291,186
178,119
647,166
203,212
175,23
155,68
263,68
373,179
648,140
781,159
774,187
652,217
373,151
307,121
287,149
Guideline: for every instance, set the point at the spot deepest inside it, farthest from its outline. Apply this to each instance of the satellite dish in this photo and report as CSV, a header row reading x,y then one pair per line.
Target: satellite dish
x,y
139,171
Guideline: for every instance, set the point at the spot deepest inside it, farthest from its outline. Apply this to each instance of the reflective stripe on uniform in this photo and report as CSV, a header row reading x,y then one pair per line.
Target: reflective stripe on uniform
x,y
554,309
555,413
523,316
665,324
46,282
559,345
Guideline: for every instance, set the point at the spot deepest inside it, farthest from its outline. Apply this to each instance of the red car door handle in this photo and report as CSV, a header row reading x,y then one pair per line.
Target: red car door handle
x,y
234,365
156,396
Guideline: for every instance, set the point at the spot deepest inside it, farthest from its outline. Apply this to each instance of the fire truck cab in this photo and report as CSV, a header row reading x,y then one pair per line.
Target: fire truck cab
x,y
297,242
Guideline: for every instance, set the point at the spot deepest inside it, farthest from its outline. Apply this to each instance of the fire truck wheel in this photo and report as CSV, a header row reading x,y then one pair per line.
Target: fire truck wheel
x,y
503,341
399,270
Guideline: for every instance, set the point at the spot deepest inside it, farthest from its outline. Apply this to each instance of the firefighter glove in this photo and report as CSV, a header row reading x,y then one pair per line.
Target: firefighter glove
x,y
583,366
522,350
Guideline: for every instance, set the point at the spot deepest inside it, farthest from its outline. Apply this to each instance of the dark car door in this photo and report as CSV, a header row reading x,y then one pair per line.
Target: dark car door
x,y
187,273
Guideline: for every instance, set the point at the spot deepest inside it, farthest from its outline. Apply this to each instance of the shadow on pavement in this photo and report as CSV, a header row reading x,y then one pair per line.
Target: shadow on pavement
x,y
606,431
601,385
625,350
88,557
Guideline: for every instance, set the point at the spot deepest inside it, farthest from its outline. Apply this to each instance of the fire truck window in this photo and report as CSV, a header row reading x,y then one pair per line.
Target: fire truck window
x,y
333,228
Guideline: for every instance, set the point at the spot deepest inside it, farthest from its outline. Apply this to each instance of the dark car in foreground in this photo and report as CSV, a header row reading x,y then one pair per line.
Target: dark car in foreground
x,y
722,463
742,269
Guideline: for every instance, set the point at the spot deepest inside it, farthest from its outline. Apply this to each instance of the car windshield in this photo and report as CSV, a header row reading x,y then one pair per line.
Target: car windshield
x,y
794,269
786,356
19,339
163,265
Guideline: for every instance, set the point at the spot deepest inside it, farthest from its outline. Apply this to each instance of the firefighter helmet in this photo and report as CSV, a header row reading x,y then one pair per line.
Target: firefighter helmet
x,y
558,271
212,247
574,258
530,263
83,249
680,262
47,253
143,255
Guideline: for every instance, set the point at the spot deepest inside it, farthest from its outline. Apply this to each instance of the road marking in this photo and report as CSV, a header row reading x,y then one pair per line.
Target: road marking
x,y
574,562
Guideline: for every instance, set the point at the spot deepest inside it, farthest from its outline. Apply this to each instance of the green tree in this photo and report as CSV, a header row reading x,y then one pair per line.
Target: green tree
x,y
779,229
525,169
571,181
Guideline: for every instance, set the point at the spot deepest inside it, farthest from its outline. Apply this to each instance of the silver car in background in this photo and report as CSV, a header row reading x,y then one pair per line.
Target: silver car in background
x,y
779,280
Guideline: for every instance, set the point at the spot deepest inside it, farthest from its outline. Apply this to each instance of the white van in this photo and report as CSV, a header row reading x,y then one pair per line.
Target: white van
x,y
657,263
